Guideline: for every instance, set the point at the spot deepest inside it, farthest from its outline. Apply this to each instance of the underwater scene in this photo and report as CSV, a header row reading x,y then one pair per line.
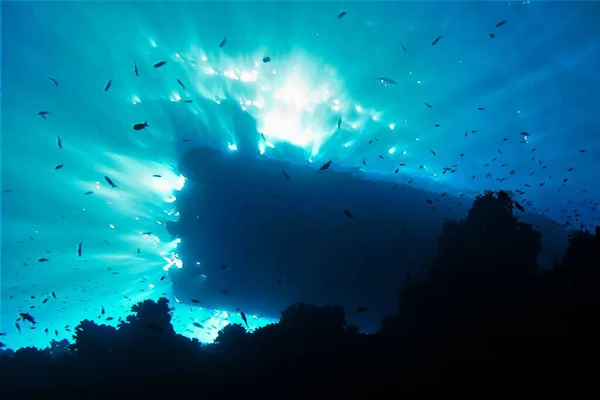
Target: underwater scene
x,y
235,157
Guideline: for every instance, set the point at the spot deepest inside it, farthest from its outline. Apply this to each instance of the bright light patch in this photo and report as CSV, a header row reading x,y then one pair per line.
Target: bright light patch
x,y
249,76
294,92
392,150
232,147
231,75
175,97
288,127
259,103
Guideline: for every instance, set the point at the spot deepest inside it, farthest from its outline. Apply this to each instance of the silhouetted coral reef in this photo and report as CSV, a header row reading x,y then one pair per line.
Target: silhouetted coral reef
x,y
481,318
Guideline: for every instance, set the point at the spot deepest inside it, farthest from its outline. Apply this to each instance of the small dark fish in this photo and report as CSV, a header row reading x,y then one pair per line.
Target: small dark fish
x,y
181,83
43,259
147,233
54,81
339,124
349,214
361,309
79,249
480,108
223,43
286,176
18,326
140,126
266,59
325,166
58,142
109,181
157,176
432,152
386,80
6,190
342,14
108,85
492,35
499,24
403,48
428,105
196,301
197,325
45,301
88,192
223,267
526,134
59,166
135,70
160,64
364,161
437,39
225,292
519,207
43,114
188,101
27,317
244,318
162,278
53,294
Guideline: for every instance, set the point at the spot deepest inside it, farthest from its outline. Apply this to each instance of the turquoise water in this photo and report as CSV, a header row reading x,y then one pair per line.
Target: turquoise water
x,y
537,75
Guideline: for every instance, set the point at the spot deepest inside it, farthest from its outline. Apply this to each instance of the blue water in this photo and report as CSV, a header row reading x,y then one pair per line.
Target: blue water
x,y
537,75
